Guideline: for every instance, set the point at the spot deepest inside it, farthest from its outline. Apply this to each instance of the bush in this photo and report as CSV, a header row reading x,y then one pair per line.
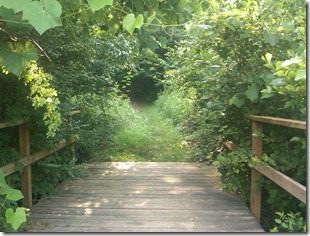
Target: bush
x,y
289,222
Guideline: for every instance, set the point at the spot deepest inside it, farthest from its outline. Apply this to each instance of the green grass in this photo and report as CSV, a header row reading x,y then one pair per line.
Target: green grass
x,y
145,135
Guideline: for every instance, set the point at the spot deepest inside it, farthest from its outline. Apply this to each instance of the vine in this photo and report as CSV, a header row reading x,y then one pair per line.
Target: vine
x,y
15,216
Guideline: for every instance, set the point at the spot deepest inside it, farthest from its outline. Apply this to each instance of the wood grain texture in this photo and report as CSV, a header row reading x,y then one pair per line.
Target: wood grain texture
x,y
143,197
298,124
257,147
293,187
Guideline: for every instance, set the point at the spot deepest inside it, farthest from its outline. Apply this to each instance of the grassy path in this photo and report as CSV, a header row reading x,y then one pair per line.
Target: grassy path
x,y
146,135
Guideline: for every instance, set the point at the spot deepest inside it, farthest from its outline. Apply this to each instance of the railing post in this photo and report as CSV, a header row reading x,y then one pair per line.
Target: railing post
x,y
24,145
72,149
257,147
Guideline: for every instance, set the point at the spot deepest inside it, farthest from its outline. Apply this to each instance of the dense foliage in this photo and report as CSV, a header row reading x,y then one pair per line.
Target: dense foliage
x,y
247,57
208,63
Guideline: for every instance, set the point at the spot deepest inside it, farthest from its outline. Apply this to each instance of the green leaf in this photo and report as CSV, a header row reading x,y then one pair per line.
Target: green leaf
x,y
278,82
15,218
43,15
139,21
237,102
272,39
252,92
278,221
98,4
301,75
14,21
3,183
16,5
130,22
12,194
15,57
295,139
268,57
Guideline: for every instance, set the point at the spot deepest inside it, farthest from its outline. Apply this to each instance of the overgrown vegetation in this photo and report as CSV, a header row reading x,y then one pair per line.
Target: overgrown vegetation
x,y
247,57
143,134
213,61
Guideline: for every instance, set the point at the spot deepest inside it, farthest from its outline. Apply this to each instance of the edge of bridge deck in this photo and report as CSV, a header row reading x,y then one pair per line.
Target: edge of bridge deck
x,y
143,197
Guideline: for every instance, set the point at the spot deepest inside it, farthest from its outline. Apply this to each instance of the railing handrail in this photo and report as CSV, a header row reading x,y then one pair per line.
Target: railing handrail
x,y
288,184
297,124
8,124
27,159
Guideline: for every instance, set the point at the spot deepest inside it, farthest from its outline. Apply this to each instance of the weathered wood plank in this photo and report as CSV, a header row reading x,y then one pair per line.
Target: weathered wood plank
x,y
279,121
99,213
11,123
257,147
171,202
296,189
124,224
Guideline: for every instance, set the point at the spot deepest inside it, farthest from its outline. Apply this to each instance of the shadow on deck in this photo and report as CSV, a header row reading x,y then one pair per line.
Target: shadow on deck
x,y
143,197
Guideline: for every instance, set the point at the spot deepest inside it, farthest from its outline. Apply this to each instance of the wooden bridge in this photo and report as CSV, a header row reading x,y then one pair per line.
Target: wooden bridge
x,y
143,197
148,197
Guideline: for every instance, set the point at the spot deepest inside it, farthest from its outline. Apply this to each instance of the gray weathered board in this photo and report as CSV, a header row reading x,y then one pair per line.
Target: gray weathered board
x,y
143,197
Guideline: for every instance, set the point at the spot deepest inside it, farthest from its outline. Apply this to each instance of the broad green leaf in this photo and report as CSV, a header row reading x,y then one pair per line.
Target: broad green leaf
x,y
268,57
290,87
139,21
11,194
278,221
301,75
290,62
130,22
237,102
2,181
16,5
267,93
272,39
14,21
15,57
96,5
252,92
278,82
295,139
14,194
278,65
43,15
15,218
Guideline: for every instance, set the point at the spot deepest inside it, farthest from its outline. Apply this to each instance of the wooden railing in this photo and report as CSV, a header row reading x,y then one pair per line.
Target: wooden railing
x,y
27,159
296,189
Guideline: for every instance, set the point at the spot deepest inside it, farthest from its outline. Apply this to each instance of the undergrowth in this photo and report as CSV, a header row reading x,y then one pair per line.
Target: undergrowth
x,y
144,135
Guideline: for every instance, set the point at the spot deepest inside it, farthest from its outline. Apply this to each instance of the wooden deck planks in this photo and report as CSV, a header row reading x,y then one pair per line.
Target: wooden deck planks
x,y
143,197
